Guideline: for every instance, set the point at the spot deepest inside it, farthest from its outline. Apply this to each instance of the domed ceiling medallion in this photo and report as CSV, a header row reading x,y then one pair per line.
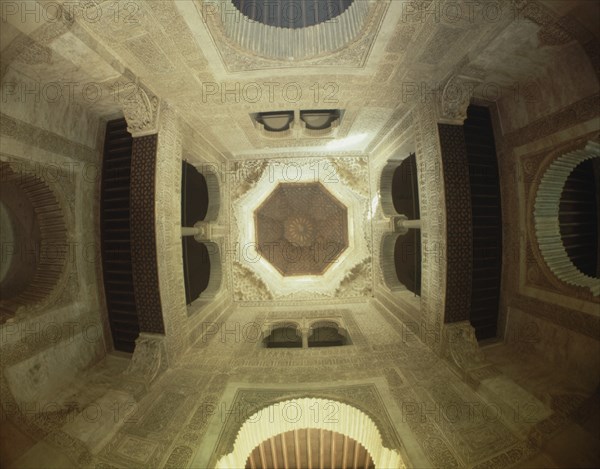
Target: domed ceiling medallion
x,y
301,229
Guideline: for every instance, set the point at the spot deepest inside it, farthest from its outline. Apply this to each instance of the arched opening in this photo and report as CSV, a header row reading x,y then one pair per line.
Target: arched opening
x,y
196,268
284,336
401,253
549,198
407,260
275,121
194,195
309,447
34,241
320,119
200,260
327,334
21,232
313,414
405,189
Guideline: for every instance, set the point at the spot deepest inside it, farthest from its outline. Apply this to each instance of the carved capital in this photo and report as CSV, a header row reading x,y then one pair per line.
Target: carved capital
x,y
461,347
456,98
141,109
149,358
207,231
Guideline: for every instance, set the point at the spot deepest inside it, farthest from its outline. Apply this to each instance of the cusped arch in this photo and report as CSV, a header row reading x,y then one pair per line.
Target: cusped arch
x,y
298,414
546,217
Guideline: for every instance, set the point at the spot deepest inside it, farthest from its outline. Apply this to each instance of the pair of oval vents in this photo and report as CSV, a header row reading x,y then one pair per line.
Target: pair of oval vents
x,y
280,121
326,335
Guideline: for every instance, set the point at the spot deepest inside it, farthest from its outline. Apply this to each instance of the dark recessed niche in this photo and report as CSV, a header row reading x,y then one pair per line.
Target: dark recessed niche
x,y
194,206
320,334
407,250
326,336
284,337
486,218
276,121
320,119
292,14
194,195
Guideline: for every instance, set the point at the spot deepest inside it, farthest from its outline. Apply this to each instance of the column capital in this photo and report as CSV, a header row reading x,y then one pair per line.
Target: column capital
x,y
208,231
401,224
455,99
141,109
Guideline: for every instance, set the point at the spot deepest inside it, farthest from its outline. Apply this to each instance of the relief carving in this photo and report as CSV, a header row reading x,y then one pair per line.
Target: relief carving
x,y
141,109
149,358
248,286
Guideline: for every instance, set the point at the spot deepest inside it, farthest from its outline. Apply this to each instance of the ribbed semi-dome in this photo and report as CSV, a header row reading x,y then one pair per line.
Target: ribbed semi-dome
x,y
292,14
294,29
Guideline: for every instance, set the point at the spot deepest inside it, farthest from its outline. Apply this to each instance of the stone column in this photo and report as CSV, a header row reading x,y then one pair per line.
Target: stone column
x,y
401,224
205,231
189,231
305,337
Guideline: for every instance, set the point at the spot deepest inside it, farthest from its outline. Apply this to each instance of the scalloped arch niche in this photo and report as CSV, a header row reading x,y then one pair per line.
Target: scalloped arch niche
x,y
302,413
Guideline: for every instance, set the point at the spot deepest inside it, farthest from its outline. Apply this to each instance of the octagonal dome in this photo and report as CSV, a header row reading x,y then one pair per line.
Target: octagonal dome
x,y
301,229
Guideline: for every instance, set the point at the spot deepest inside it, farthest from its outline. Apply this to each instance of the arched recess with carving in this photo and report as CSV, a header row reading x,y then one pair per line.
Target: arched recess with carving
x,y
34,236
326,333
298,414
388,265
385,187
400,251
546,217
202,263
283,334
294,450
214,195
216,271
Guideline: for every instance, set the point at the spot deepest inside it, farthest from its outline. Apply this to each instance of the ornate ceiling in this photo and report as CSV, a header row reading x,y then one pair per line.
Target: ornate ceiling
x,y
301,229
178,49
